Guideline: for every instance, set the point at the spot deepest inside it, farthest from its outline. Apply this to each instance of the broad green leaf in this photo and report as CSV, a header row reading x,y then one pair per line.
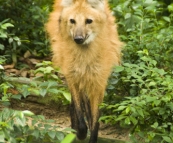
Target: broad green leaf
x,y
162,111
140,111
60,135
155,125
52,134
43,92
21,121
151,99
3,35
47,126
55,76
6,25
69,138
2,47
19,43
167,19
48,70
127,110
25,92
121,108
133,119
10,40
16,38
152,83
167,139
52,83
169,105
120,117
2,137
157,102
128,15
67,95
170,7
27,113
36,133
54,91
1,67
119,69
18,96
133,109
127,121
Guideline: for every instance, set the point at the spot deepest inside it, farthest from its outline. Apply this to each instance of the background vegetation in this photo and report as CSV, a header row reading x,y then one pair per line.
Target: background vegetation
x,y
143,83
139,95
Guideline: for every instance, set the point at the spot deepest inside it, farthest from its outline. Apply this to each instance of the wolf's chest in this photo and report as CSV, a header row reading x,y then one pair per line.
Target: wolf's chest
x,y
83,69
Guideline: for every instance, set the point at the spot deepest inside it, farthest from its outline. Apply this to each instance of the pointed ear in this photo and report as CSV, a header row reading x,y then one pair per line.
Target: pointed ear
x,y
98,4
66,3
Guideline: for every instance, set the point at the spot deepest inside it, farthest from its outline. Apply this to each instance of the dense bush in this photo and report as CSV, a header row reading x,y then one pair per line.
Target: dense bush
x,y
143,26
149,106
28,18
146,24
15,128
9,42
24,126
139,94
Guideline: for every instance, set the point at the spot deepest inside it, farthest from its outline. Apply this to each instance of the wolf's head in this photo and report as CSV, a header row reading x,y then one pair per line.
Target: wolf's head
x,y
82,20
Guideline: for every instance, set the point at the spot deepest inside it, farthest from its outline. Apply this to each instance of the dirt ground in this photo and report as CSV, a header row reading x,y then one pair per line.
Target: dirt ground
x,y
62,118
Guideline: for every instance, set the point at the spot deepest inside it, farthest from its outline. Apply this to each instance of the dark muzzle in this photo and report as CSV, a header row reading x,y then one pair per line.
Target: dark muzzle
x,y
79,39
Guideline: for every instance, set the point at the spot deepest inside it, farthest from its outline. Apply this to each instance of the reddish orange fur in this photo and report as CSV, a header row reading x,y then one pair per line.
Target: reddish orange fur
x,y
85,66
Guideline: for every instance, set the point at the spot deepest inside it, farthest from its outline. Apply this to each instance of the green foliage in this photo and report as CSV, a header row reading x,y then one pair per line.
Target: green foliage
x,y
146,24
27,18
25,127
4,87
8,42
51,83
46,71
46,83
148,109
139,94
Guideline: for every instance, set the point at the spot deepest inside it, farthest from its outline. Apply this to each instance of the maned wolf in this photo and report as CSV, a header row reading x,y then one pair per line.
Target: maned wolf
x,y
85,46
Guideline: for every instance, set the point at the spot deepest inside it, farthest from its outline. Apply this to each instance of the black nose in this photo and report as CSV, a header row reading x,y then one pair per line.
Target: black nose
x,y
79,39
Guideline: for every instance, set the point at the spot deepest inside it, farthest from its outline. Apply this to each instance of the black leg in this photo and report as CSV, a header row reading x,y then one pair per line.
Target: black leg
x,y
77,119
94,133
74,121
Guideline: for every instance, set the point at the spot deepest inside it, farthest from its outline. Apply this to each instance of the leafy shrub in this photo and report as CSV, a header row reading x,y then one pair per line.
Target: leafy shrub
x,y
8,42
46,83
146,24
149,107
139,93
24,126
15,128
51,82
28,18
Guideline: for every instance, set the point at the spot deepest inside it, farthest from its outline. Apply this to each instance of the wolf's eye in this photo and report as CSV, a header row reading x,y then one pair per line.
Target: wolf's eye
x,y
72,21
88,21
